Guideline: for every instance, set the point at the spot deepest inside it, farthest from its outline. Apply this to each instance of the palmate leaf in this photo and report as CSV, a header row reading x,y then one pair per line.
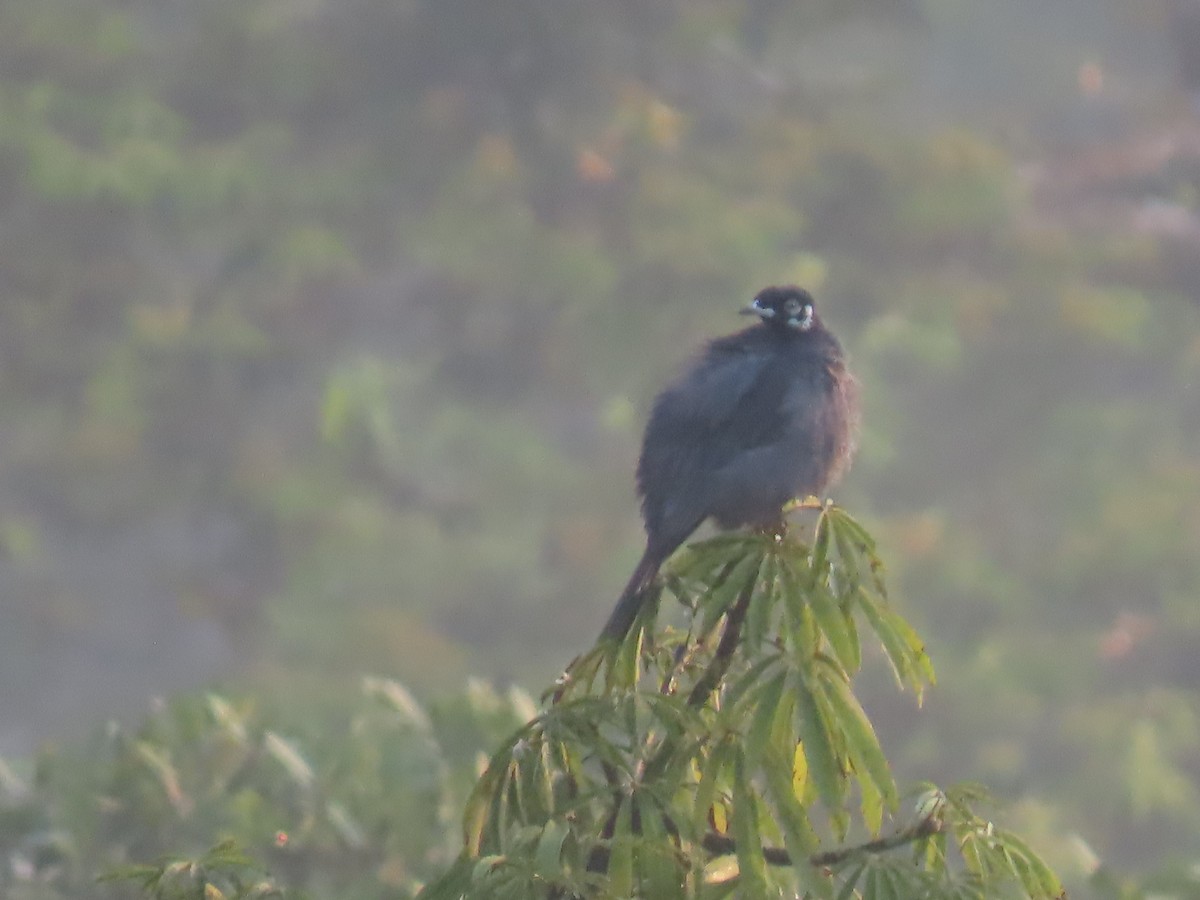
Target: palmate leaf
x,y
837,626
740,577
625,670
620,860
682,771
890,878
901,645
741,696
851,881
700,561
857,559
824,766
801,634
768,709
1035,876
787,799
712,771
548,854
658,864
862,744
761,611
752,865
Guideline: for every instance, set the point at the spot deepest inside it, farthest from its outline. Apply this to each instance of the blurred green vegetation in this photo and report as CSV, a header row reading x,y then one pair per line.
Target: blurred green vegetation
x,y
729,756
326,333
358,804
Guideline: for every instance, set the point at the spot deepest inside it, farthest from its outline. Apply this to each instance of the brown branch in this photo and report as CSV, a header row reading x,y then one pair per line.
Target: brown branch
x,y
720,845
708,682
723,657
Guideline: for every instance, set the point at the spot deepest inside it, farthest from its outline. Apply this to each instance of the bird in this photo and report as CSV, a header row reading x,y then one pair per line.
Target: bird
x,y
762,416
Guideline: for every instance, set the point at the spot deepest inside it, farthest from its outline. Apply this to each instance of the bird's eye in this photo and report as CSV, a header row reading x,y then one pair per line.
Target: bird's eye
x,y
792,306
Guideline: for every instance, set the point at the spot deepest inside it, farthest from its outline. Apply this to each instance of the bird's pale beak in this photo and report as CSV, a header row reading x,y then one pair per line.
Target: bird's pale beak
x,y
755,310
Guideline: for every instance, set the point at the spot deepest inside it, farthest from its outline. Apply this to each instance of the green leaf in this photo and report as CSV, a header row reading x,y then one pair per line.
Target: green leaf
x,y
486,865
872,805
478,809
747,685
500,815
142,873
758,616
933,856
546,768
847,571
711,771
453,883
870,889
895,648
752,866
623,674
766,710
1038,879
859,535
921,660
889,885
847,891
657,862
518,773
620,860
820,549
861,741
823,766
699,560
798,835
548,853
718,601
837,628
802,633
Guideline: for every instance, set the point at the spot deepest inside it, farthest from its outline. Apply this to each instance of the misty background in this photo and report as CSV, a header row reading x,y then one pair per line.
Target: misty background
x,y
327,332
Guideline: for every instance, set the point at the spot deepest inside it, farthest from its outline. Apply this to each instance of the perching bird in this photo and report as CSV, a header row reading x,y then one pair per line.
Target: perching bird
x,y
764,416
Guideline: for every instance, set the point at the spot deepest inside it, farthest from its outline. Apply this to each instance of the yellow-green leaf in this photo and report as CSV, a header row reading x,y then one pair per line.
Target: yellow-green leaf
x,y
823,765
799,772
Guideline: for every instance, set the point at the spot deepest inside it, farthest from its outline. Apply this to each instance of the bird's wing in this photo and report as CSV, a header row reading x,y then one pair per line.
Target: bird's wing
x,y
712,392
694,428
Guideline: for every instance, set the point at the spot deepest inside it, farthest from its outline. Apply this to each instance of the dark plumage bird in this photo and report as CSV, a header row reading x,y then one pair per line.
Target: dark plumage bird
x,y
764,416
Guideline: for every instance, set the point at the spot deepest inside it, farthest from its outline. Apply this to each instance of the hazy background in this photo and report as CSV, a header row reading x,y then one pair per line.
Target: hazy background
x,y
327,330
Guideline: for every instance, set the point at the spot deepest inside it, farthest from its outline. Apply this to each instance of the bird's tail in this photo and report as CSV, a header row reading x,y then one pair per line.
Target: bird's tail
x,y
633,596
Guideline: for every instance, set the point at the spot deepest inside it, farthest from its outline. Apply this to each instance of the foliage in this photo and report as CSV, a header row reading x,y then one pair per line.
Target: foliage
x,y
710,761
353,807
325,330
223,873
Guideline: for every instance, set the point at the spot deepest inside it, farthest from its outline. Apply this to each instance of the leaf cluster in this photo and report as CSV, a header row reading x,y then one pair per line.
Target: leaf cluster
x,y
353,806
731,756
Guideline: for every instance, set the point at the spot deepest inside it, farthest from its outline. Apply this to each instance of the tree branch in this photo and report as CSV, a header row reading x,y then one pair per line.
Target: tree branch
x,y
723,657
720,845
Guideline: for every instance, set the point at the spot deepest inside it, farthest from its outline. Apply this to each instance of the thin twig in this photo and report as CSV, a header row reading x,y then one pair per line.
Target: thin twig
x,y
723,657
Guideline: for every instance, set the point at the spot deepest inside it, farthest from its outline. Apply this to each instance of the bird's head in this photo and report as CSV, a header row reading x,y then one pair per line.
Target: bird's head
x,y
787,307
